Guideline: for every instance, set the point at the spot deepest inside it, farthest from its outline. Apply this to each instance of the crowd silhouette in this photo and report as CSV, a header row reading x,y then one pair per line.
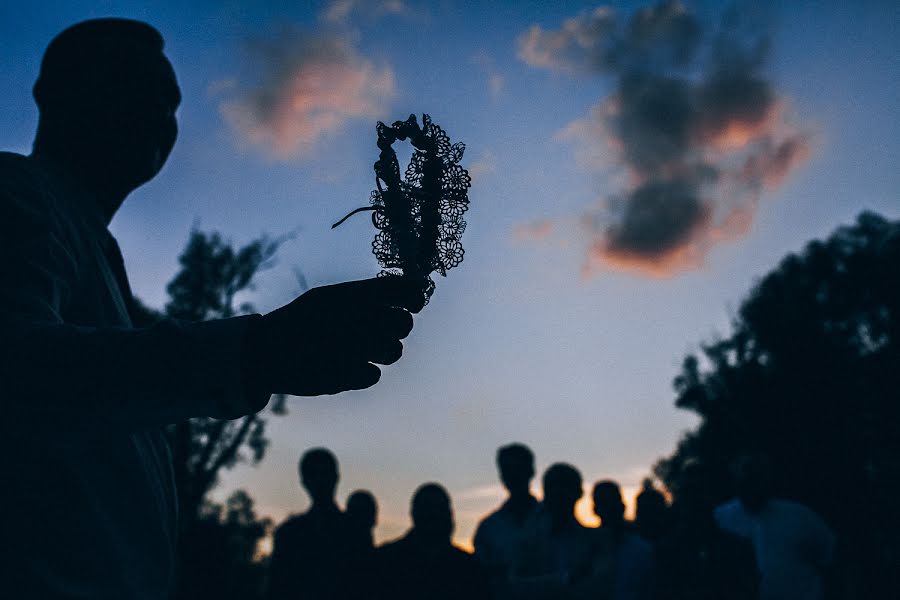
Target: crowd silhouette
x,y
754,546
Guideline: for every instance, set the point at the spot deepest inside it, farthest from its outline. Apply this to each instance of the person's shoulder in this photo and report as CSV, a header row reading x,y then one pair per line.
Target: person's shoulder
x,y
392,548
728,510
291,524
783,505
490,521
799,513
18,172
12,161
459,554
23,190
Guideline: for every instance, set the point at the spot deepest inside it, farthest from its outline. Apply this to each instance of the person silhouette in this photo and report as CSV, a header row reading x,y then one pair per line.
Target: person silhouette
x,y
424,563
651,515
362,517
794,547
311,552
632,557
554,557
697,559
88,485
498,535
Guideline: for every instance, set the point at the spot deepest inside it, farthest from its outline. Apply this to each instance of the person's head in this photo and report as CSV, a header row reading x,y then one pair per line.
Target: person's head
x,y
608,503
107,96
432,513
319,475
515,462
753,481
362,509
562,490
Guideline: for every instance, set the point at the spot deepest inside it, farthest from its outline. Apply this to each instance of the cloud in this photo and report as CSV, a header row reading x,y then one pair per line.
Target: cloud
x,y
693,123
484,165
578,46
308,86
339,12
496,82
533,231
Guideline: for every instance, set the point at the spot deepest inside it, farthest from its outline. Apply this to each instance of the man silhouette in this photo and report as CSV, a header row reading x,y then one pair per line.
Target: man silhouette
x,y
794,547
632,557
311,554
554,557
696,559
425,563
498,535
651,514
362,516
88,509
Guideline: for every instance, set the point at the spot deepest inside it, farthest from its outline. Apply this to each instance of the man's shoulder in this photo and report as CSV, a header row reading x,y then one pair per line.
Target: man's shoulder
x,y
393,548
23,189
291,524
12,160
490,521
17,170
728,509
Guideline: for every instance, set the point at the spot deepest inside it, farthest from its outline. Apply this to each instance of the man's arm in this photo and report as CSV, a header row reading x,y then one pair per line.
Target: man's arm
x,y
65,374
107,376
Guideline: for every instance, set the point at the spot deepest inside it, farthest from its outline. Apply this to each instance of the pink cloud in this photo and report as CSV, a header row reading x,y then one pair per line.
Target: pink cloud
x,y
310,85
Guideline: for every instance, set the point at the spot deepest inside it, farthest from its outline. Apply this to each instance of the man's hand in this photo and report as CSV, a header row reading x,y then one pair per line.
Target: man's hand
x,y
330,339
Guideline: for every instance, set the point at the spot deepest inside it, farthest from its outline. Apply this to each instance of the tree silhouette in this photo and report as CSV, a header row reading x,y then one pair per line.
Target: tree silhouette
x,y
810,376
220,558
213,275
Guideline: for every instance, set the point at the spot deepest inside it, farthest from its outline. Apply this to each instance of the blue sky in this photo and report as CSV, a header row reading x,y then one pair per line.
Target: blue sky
x,y
517,344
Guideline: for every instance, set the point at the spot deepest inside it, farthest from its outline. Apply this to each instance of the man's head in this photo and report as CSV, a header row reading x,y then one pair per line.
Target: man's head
x,y
562,490
319,475
362,509
608,503
432,513
753,481
107,97
515,462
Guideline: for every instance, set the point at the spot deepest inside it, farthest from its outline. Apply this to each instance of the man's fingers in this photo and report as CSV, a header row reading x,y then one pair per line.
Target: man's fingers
x,y
361,376
400,291
387,353
392,322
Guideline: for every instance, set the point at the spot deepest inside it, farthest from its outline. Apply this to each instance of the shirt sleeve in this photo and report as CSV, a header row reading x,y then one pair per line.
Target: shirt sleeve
x,y
66,374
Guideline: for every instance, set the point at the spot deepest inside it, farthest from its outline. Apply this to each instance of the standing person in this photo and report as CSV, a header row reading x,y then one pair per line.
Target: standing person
x,y
88,491
311,555
554,556
696,560
362,516
793,545
632,557
498,535
651,515
424,563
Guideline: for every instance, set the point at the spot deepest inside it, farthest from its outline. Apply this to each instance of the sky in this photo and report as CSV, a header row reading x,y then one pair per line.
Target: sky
x,y
636,167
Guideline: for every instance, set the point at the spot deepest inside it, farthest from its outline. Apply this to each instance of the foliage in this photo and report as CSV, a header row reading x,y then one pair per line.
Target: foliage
x,y
810,377
213,274
220,559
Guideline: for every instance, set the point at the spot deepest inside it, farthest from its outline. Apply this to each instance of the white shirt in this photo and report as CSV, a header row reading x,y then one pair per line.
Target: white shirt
x,y
792,545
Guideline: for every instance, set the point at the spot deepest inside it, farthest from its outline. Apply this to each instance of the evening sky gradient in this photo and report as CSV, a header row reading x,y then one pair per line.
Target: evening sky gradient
x,y
522,342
